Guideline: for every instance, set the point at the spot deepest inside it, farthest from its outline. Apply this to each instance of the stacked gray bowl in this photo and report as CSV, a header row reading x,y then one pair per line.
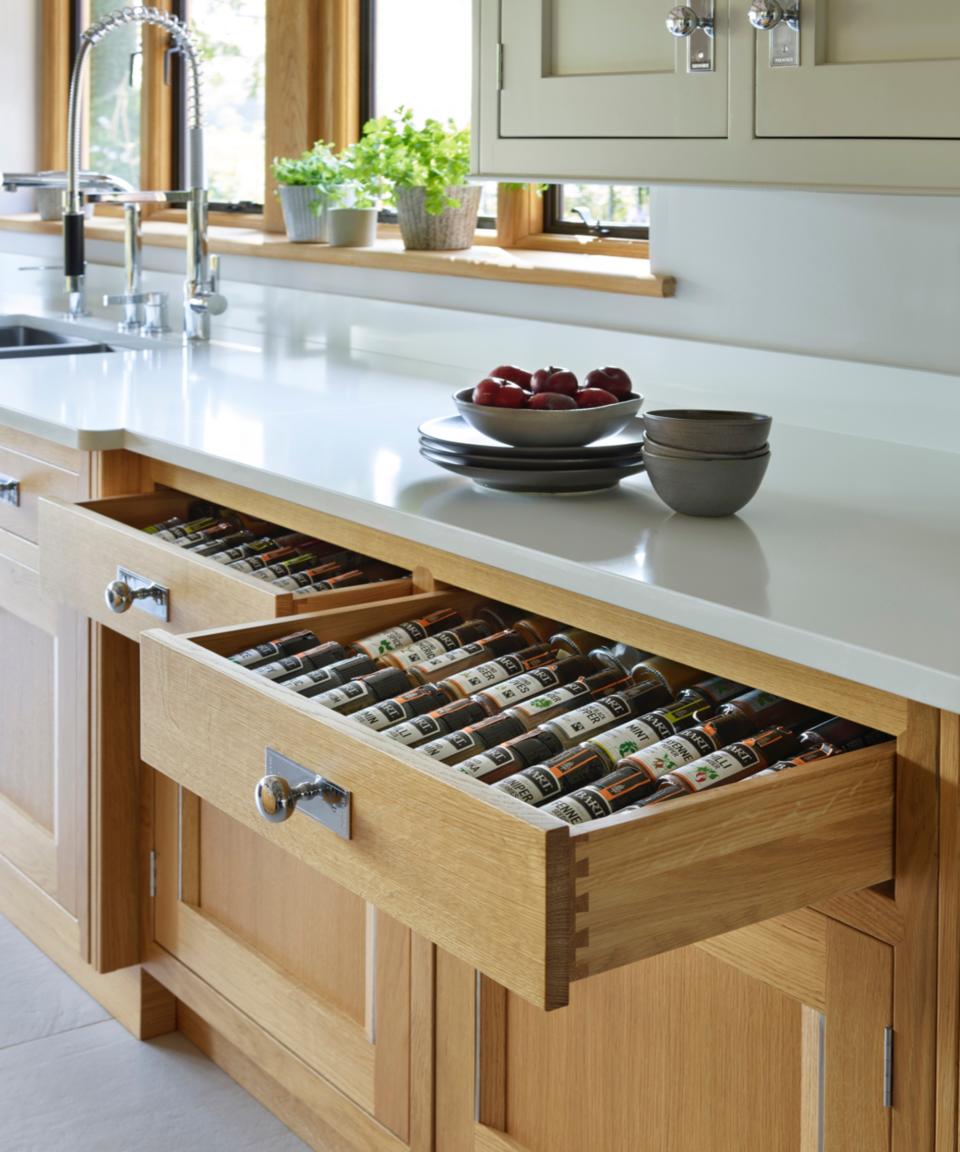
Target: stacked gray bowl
x,y
704,462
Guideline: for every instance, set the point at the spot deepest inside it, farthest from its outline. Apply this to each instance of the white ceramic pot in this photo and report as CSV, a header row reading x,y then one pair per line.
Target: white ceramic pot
x,y
453,228
352,227
305,224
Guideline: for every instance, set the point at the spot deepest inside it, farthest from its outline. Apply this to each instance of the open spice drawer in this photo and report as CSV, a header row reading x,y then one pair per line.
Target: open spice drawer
x,y
85,547
527,899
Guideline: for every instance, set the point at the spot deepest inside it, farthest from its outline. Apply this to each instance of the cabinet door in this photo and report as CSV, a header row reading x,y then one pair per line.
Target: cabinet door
x,y
684,1052
315,966
881,68
605,70
43,761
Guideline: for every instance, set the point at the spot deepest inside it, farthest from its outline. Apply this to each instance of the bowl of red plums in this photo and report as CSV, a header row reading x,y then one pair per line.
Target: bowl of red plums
x,y
549,407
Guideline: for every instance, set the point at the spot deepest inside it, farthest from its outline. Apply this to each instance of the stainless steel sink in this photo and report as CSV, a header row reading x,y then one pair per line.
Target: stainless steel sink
x,y
19,340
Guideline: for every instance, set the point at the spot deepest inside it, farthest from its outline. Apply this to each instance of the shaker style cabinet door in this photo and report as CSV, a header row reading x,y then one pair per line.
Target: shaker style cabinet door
x,y
883,69
608,69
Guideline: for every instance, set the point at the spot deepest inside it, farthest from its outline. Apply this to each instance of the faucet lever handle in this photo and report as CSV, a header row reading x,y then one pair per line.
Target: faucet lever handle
x,y
155,306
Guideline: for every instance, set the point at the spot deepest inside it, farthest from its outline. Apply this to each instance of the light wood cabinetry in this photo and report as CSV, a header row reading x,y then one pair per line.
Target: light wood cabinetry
x,y
603,92
685,1051
387,992
43,708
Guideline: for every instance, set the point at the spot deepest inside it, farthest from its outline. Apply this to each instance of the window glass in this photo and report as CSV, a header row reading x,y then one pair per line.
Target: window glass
x,y
423,59
623,205
113,134
232,38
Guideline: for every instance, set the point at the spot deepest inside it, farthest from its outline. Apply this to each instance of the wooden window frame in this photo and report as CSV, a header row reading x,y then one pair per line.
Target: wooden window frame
x,y
313,91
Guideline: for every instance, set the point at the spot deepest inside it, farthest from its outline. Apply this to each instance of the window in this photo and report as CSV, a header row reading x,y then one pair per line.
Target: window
x,y
603,209
116,68
232,38
417,53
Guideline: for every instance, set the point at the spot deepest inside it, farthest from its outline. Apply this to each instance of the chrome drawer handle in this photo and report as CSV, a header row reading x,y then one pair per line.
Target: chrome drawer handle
x,y
277,798
10,490
129,589
766,15
683,21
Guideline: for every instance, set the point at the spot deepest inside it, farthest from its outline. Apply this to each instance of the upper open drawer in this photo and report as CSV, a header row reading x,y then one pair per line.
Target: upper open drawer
x,y
84,548
529,900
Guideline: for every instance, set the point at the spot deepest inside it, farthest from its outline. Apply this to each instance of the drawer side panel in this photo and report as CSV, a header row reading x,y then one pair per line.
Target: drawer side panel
x,y
703,865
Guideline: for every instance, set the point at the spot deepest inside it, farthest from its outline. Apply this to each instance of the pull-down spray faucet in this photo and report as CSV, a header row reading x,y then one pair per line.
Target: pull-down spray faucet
x,y
201,298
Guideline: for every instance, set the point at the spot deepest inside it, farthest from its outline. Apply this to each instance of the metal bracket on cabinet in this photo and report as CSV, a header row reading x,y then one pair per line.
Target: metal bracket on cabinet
x,y
782,21
288,786
888,1067
694,22
10,490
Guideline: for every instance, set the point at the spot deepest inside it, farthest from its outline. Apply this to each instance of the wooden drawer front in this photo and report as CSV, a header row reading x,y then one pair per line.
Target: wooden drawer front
x,y
83,545
515,892
36,478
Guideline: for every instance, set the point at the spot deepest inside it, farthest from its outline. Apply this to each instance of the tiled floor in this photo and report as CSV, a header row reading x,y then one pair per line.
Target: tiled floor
x,y
73,1080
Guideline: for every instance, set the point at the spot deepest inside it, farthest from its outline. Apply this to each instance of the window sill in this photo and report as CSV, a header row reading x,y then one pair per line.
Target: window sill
x,y
485,261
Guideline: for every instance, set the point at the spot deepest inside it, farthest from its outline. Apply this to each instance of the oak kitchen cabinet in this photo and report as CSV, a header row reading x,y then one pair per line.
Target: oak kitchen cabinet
x,y
43,705
857,96
389,992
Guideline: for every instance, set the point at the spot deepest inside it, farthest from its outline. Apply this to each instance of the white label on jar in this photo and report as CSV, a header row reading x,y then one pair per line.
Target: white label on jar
x,y
625,739
548,700
428,667
412,654
337,697
582,721
412,731
521,687
500,757
451,745
718,766
570,810
673,753
285,667
380,716
391,639
493,672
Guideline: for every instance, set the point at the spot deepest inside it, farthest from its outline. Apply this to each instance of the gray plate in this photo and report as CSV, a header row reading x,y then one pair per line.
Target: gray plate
x,y
526,463
555,480
453,433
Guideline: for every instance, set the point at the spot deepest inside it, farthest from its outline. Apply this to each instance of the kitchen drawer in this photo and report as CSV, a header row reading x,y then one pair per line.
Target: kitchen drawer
x,y
522,896
82,546
36,479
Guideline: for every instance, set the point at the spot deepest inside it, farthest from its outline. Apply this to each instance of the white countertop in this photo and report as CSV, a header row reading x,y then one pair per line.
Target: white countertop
x,y
848,560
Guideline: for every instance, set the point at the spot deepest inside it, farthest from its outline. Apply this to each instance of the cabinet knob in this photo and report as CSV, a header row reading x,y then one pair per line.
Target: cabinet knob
x,y
767,14
683,21
120,597
277,797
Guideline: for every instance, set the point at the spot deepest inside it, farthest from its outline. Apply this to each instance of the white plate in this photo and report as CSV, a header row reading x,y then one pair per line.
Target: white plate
x,y
453,433
555,480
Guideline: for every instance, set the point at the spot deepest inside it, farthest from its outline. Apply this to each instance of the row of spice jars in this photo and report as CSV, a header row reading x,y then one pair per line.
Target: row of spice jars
x,y
289,561
560,719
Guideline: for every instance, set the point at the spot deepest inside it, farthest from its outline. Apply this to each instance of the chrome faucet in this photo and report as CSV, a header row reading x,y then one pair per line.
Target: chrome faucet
x,y
201,296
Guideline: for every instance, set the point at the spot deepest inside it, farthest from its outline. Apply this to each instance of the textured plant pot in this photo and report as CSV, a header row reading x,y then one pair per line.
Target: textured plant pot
x,y
453,228
352,227
303,224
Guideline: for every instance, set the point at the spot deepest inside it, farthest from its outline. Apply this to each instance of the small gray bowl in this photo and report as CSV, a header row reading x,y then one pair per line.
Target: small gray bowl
x,y
706,430
706,487
526,428
651,447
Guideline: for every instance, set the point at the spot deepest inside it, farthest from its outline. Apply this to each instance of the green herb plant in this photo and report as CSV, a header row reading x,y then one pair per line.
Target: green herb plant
x,y
394,153
319,167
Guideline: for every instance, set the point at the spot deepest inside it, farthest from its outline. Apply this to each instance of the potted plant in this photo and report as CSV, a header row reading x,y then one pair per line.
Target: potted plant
x,y
305,185
427,168
363,187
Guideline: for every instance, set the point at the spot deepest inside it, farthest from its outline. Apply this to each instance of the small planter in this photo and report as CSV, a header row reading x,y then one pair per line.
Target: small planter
x,y
453,228
352,227
304,224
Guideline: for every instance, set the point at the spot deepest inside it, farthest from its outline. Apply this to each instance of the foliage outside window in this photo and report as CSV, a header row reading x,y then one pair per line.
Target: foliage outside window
x,y
232,38
113,134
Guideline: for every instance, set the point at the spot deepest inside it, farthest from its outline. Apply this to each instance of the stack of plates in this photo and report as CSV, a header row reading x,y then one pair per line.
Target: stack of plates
x,y
450,442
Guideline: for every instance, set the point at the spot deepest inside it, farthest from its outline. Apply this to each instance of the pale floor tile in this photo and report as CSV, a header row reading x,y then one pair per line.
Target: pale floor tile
x,y
36,998
89,1086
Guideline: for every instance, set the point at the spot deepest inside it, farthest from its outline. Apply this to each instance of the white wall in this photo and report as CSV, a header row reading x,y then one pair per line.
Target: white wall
x,y
20,99
874,278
